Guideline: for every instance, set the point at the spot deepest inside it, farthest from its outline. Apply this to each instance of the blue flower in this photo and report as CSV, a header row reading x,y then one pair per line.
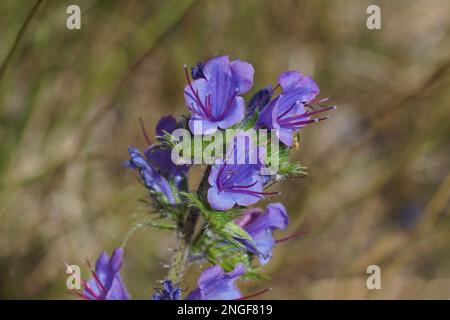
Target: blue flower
x,y
106,283
237,179
197,71
215,284
161,157
156,168
286,113
260,226
150,177
259,100
213,98
169,291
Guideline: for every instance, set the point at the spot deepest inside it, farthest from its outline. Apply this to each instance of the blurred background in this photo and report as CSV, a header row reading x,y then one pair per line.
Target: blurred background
x,y
378,187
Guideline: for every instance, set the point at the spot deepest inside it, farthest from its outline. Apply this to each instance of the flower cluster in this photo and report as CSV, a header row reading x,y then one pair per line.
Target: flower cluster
x,y
235,238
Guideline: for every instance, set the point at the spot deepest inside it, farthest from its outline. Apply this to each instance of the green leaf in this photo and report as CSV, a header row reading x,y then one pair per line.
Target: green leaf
x,y
231,229
248,122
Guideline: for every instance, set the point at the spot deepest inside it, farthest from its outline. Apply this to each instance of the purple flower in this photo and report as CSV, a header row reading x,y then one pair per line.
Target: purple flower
x,y
161,158
169,291
260,226
236,180
213,98
157,169
106,283
215,284
150,177
259,100
197,71
286,113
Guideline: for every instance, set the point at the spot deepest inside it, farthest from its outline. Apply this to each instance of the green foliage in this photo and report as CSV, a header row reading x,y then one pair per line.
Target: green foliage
x,y
220,223
218,241
248,122
143,224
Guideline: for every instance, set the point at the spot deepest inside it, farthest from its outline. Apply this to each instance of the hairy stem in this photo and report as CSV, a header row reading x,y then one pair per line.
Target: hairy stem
x,y
185,232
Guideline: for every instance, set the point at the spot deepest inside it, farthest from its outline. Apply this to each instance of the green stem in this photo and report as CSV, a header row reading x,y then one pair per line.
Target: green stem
x,y
179,262
18,38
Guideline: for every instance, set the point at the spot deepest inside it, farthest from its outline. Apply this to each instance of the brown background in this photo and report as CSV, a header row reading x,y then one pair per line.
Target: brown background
x,y
378,186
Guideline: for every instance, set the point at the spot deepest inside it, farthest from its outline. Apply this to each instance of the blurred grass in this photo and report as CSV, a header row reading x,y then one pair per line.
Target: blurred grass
x,y
378,189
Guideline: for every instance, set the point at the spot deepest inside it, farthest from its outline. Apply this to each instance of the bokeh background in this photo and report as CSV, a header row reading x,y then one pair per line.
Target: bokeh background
x,y
378,186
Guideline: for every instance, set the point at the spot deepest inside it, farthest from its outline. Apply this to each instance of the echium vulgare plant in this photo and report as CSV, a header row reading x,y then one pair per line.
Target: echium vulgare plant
x,y
217,224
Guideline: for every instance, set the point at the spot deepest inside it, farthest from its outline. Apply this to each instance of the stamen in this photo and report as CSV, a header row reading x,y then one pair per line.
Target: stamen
x,y
97,280
229,104
192,107
321,100
90,291
271,184
302,123
309,113
80,295
274,89
144,132
219,174
255,294
293,236
195,93
228,179
253,193
242,186
289,109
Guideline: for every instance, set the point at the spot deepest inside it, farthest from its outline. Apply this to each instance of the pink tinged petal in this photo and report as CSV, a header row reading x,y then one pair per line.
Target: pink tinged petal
x,y
248,217
220,200
234,115
275,217
260,228
243,75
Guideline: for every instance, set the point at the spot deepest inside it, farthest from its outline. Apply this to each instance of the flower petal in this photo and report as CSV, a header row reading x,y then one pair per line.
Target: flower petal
x,y
289,80
199,126
195,98
215,284
285,136
305,87
217,64
235,114
264,244
118,290
220,201
167,123
260,227
243,75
